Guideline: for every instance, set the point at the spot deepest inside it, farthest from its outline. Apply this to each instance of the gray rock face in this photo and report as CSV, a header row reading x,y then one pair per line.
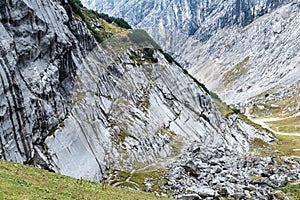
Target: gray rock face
x,y
71,107
201,18
36,67
239,49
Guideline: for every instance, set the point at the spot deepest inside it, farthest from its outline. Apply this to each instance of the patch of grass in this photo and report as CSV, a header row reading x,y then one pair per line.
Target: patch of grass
x,y
145,104
287,144
61,123
290,125
175,142
224,198
284,146
136,180
19,181
155,175
224,108
100,25
276,109
142,39
292,190
258,143
166,131
238,70
256,178
226,111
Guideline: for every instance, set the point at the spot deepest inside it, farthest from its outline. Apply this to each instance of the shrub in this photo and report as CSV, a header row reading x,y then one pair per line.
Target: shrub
x,y
149,52
122,23
97,36
168,57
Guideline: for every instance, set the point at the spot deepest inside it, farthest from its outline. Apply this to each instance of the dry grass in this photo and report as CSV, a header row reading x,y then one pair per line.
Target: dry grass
x,y
287,144
290,125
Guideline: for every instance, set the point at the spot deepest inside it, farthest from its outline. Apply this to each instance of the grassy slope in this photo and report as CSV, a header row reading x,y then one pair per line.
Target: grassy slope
x,y
19,181
292,190
288,125
287,144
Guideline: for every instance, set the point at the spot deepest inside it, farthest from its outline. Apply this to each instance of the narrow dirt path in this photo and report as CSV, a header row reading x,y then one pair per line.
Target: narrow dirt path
x,y
262,122
127,180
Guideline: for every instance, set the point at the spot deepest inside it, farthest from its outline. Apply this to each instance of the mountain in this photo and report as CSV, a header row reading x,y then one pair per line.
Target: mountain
x,y
239,49
89,99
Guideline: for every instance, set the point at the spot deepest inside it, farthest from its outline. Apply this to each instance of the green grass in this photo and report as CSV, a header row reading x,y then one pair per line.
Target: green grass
x,y
292,190
226,111
224,108
258,143
122,136
19,181
100,25
290,125
155,175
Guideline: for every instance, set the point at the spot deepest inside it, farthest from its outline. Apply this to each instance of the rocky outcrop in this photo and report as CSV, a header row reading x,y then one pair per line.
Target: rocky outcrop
x,y
239,49
37,70
222,173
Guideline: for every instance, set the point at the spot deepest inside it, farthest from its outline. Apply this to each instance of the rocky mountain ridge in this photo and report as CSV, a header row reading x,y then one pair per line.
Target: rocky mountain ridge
x,y
79,108
239,49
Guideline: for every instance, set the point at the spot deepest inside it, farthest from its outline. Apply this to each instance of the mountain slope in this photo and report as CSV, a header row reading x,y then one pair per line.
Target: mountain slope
x,y
85,109
67,103
222,40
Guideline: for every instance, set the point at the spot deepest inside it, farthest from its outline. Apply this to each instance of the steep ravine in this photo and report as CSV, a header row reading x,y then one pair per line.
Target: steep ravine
x,y
79,108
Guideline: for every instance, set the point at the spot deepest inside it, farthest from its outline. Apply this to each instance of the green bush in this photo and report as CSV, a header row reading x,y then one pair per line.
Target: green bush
x,y
149,52
121,23
168,57
97,36
118,21
76,6
236,111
